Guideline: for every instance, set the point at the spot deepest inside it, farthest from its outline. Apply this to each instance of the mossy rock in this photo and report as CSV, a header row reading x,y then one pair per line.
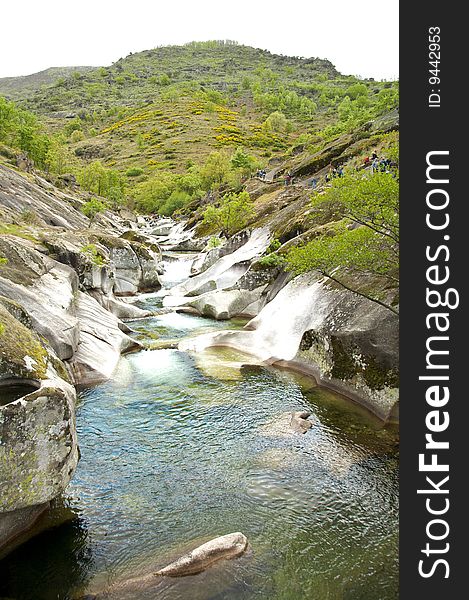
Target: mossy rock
x,y
21,352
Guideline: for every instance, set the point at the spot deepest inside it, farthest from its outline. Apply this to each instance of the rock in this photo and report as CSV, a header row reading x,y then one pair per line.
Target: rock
x,y
51,207
345,341
101,343
136,269
210,257
38,442
222,304
46,290
227,270
223,547
24,163
299,421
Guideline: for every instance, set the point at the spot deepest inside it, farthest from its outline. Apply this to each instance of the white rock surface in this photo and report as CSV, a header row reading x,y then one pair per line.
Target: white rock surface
x,y
101,343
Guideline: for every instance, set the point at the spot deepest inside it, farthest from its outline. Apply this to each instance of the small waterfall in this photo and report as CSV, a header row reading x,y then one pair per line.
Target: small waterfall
x,y
177,268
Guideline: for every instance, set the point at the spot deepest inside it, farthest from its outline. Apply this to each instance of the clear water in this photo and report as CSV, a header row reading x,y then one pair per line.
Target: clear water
x,y
178,449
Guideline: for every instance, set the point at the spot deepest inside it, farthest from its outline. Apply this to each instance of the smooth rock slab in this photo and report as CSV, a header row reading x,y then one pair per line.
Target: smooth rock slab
x,y
223,547
192,563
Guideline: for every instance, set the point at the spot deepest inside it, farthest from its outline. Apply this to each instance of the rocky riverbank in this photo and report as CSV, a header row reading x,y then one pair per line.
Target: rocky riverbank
x,y
345,341
63,286
66,288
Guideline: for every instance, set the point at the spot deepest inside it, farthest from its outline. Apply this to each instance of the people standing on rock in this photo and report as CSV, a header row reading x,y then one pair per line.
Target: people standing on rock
x,y
374,165
313,183
366,161
374,155
288,178
340,171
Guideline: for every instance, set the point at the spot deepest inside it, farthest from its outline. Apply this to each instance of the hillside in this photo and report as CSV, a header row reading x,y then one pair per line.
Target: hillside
x,y
23,86
166,109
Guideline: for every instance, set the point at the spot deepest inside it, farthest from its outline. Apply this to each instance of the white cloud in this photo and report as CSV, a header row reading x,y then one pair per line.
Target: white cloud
x,y
360,37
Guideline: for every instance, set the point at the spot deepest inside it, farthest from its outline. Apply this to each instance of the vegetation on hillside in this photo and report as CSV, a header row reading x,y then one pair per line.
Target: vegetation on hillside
x,y
128,130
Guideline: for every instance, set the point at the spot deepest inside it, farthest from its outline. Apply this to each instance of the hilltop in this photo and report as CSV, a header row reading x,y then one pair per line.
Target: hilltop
x,y
25,85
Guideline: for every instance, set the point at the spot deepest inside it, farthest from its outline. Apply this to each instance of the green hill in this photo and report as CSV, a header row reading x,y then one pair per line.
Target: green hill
x,y
163,113
21,87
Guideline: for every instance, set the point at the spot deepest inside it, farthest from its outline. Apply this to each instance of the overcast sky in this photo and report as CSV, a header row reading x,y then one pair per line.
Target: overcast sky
x,y
359,37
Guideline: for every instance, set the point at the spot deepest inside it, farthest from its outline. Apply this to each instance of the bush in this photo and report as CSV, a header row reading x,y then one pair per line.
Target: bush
x,y
92,208
92,252
77,136
177,200
276,122
134,172
233,213
214,242
216,170
271,260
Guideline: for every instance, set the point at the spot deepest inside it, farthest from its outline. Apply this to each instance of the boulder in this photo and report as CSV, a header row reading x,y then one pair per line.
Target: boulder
x,y
224,304
38,442
47,291
343,340
223,547
101,343
228,269
299,421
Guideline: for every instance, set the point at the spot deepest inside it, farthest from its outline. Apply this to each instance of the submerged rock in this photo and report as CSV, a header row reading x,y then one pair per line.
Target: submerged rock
x,y
299,421
223,547
198,560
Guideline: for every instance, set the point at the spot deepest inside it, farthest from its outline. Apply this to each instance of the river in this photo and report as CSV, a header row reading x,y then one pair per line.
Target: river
x,y
181,448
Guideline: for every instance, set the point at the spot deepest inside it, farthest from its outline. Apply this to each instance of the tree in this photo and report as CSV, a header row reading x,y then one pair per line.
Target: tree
x,y
216,170
92,208
109,183
243,161
276,122
370,248
232,214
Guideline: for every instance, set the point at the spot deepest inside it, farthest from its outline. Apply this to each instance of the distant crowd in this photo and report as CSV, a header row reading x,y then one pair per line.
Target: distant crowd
x,y
374,163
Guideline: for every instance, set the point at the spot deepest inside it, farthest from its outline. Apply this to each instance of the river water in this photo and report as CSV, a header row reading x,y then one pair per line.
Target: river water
x,y
178,449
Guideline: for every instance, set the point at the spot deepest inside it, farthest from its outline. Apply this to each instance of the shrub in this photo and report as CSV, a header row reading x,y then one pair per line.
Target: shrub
x,y
271,260
232,214
92,208
214,242
134,172
77,136
92,252
276,122
177,200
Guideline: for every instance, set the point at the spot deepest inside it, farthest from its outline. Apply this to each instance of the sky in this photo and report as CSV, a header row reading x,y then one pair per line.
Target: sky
x,y
359,37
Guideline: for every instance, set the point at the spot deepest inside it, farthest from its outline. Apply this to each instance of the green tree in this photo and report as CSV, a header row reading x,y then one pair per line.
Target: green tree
x,y
216,170
233,213
92,208
109,183
371,247
243,161
276,122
